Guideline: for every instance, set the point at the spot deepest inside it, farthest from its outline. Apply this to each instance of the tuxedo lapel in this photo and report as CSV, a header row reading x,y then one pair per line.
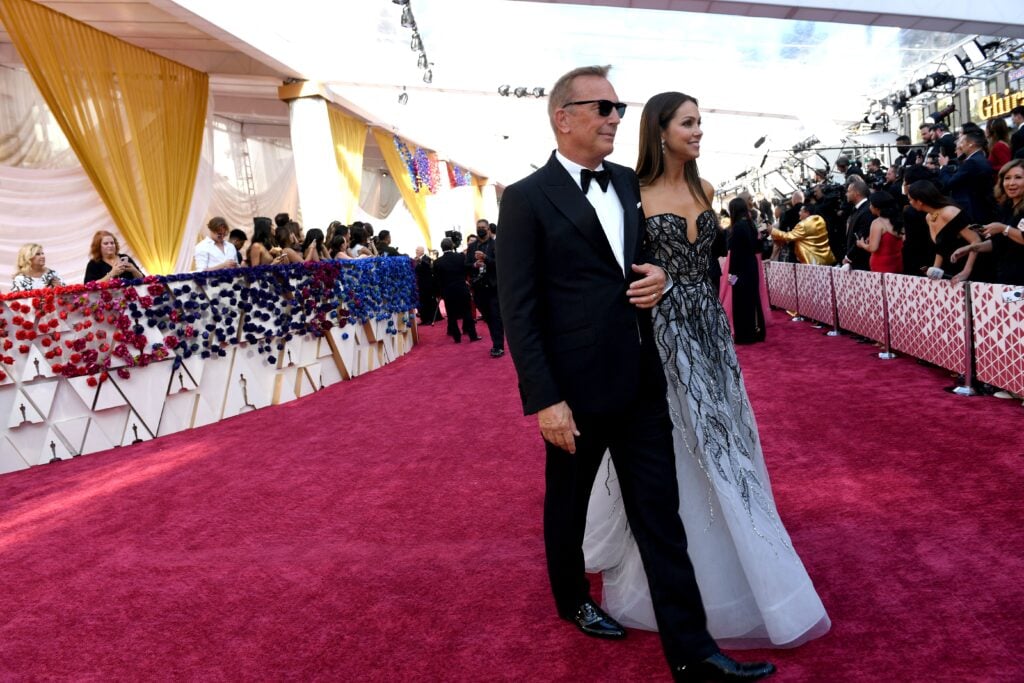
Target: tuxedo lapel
x,y
567,197
623,185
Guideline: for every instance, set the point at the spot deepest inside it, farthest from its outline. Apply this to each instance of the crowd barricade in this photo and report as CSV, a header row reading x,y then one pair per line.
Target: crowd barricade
x,y
928,320
781,281
860,303
815,294
998,336
87,368
976,331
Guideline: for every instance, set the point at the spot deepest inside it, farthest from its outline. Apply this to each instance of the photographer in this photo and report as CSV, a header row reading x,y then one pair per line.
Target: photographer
x,y
483,277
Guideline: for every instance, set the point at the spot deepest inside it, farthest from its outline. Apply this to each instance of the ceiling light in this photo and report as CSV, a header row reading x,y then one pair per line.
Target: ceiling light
x,y
407,20
974,52
956,65
422,61
519,92
504,90
416,45
428,76
760,141
400,2
404,97
538,92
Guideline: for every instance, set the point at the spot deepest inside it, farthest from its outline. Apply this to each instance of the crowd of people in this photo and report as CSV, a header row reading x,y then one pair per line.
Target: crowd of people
x,y
466,282
950,207
278,241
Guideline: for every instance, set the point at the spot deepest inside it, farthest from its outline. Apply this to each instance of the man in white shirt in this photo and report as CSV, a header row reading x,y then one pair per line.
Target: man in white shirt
x,y
216,252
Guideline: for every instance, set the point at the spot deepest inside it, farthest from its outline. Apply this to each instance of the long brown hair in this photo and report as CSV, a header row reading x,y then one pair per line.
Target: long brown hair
x,y
650,164
94,249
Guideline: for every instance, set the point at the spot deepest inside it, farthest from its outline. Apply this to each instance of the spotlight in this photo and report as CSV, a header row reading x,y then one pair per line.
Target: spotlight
x,y
400,2
422,61
760,141
407,20
974,53
403,97
504,90
428,76
922,85
956,65
416,45
520,92
538,92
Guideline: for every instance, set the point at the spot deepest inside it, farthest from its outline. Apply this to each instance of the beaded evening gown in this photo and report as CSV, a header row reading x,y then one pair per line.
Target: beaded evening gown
x,y
753,585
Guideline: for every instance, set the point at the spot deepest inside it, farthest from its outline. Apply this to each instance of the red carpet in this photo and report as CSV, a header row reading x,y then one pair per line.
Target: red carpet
x,y
388,529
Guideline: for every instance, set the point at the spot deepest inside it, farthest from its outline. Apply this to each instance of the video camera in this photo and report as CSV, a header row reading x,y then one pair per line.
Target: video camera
x,y
455,236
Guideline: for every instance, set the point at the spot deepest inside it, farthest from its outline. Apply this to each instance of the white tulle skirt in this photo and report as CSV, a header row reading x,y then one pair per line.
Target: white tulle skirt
x,y
754,587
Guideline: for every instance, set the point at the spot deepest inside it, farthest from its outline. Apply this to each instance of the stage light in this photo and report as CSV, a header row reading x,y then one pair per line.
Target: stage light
x,y
400,2
504,90
407,20
422,61
428,76
538,92
760,141
404,97
519,92
956,66
416,45
974,52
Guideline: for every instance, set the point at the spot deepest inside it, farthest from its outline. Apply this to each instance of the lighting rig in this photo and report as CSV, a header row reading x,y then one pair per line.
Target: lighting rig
x,y
416,45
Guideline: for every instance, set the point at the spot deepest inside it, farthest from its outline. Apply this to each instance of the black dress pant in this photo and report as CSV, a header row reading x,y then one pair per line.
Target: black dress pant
x,y
640,441
456,306
486,298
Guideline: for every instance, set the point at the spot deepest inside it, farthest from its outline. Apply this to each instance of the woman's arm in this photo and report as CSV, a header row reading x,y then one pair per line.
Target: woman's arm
x,y
972,239
874,237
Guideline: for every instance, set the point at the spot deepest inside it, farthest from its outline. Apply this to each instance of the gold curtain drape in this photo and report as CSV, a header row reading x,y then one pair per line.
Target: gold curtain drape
x,y
479,210
134,119
349,136
415,201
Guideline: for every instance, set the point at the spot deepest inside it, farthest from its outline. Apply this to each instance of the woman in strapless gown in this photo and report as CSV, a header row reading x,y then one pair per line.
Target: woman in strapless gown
x,y
754,587
885,241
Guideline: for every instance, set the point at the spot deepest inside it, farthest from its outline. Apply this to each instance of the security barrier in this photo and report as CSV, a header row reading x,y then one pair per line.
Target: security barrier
x,y
860,303
815,296
998,336
781,281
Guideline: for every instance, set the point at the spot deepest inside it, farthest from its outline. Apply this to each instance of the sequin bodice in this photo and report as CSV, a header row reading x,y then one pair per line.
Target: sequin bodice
x,y
685,263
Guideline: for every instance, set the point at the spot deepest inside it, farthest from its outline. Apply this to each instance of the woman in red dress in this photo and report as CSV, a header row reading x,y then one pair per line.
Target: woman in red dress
x,y
885,241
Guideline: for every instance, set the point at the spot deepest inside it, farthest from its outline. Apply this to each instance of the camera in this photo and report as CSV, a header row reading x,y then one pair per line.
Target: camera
x,y
455,236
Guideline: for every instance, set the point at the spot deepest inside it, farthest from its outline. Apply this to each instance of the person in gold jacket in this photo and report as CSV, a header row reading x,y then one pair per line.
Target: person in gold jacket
x,y
809,238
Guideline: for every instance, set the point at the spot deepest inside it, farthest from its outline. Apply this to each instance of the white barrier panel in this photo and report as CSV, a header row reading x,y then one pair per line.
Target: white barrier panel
x,y
859,302
927,319
781,281
998,337
815,297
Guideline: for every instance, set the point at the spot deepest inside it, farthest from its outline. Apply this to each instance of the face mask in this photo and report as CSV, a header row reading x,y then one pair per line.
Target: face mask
x,y
482,234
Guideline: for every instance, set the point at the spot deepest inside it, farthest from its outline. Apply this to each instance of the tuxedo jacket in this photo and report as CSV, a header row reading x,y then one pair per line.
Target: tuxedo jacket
x,y
572,332
859,226
450,274
971,187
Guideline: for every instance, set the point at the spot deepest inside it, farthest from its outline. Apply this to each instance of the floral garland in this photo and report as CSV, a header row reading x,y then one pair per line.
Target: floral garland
x,y
410,161
427,172
458,176
113,326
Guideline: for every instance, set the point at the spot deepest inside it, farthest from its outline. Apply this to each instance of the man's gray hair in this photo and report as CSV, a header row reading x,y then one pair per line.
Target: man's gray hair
x,y
562,92
859,186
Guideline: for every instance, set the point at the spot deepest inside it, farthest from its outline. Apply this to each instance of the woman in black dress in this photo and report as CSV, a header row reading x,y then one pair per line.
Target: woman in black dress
x,y
1006,241
950,230
106,262
744,246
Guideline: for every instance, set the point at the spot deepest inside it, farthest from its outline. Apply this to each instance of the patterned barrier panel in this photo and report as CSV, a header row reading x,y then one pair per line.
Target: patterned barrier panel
x,y
781,282
927,319
859,302
814,285
998,337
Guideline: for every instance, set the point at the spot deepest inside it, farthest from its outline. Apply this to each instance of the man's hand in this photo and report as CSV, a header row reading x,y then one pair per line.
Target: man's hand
x,y
648,290
479,256
557,426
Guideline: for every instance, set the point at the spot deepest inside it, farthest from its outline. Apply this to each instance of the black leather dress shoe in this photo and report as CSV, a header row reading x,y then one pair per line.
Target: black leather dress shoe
x,y
593,621
720,667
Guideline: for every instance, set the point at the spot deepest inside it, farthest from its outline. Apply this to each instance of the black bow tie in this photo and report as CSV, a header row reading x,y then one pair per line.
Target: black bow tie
x,y
603,177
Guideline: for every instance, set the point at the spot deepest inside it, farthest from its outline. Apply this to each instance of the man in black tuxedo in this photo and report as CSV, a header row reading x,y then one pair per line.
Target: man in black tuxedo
x,y
576,287
858,226
425,286
450,277
971,185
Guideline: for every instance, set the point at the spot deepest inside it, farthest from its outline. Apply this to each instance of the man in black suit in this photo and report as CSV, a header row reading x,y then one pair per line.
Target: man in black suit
x,y
425,286
859,224
576,288
1017,139
971,185
450,277
482,267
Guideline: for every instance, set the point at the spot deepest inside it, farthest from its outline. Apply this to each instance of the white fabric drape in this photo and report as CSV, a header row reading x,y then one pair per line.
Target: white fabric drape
x,y
378,194
29,135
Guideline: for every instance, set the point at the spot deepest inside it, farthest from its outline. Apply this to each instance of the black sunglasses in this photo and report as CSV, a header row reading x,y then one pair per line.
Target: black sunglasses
x,y
604,107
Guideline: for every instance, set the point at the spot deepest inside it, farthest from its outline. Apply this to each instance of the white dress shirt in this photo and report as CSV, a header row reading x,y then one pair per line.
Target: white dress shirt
x,y
208,254
607,205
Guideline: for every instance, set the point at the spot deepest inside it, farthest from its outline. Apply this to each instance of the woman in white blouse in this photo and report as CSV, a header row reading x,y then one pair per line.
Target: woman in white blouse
x,y
216,252
32,272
